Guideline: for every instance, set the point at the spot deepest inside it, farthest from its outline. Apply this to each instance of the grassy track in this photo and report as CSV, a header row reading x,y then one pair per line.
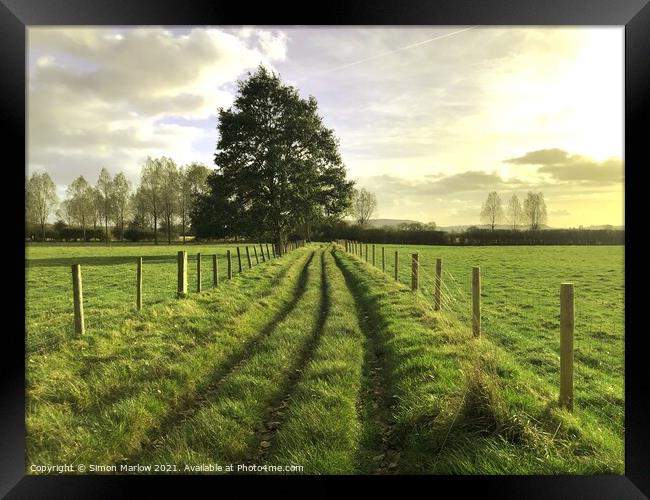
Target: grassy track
x,y
467,406
115,388
321,429
520,310
320,360
224,430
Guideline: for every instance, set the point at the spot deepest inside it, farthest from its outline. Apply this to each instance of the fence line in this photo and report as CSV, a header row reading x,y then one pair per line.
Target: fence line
x,y
448,296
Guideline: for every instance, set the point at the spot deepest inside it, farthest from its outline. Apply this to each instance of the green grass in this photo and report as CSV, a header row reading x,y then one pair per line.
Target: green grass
x,y
466,406
317,359
109,282
520,291
116,384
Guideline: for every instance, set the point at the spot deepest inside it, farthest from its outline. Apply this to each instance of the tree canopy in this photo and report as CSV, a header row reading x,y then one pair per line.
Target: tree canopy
x,y
278,165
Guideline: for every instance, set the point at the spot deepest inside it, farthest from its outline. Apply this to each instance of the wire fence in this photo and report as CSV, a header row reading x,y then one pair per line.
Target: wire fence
x,y
109,287
522,318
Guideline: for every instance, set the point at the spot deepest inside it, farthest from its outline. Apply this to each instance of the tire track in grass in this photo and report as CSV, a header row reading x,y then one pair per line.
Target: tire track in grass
x,y
223,430
321,429
276,411
378,451
230,364
150,392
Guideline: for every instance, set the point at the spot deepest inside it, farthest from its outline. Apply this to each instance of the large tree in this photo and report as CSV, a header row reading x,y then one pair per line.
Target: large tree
x,y
276,161
121,200
364,205
41,198
81,202
515,212
535,210
492,211
105,192
193,183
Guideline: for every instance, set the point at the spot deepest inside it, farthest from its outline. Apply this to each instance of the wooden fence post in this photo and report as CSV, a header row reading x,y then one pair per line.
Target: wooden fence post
x,y
248,258
396,265
182,274
239,259
257,259
262,252
438,284
229,259
138,286
268,253
273,248
373,254
383,259
198,273
77,296
366,252
476,301
567,323
215,270
415,269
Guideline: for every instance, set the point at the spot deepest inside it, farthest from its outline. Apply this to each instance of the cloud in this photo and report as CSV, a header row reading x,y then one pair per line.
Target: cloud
x,y
540,157
563,167
104,97
436,184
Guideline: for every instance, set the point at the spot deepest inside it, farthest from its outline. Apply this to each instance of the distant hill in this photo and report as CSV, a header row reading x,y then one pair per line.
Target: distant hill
x,y
389,222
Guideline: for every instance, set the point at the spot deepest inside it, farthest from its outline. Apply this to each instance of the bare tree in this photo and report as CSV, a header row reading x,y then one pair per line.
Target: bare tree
x,y
64,212
150,191
41,198
535,210
80,200
492,211
364,205
192,183
515,212
121,200
105,190
97,203
169,193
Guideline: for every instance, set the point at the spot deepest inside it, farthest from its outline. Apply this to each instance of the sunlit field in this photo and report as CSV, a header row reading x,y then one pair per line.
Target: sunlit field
x,y
319,359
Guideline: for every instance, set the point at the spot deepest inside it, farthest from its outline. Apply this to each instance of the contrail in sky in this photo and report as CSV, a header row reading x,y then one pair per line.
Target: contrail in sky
x,y
398,50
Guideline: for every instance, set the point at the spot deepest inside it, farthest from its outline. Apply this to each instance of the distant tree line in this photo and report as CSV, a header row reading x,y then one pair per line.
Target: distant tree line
x,y
532,215
471,236
112,208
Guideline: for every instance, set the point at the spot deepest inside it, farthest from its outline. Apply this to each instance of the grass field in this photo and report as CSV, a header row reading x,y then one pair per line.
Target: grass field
x,y
320,360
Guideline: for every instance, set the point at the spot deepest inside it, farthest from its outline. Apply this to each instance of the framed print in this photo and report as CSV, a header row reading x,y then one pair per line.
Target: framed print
x,y
376,240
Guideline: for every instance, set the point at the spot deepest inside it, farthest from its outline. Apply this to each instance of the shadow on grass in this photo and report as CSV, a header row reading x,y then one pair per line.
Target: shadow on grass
x,y
377,448
294,374
188,407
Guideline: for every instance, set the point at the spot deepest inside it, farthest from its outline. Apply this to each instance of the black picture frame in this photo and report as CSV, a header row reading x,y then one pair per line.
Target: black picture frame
x,y
17,15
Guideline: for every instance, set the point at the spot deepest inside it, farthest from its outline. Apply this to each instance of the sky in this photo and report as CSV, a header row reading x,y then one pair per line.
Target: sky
x,y
429,118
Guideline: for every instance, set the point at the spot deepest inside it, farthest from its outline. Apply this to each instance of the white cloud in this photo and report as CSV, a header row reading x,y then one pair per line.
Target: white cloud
x,y
104,95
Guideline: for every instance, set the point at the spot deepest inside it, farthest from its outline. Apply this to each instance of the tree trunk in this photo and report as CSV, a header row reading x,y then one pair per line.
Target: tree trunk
x,y
106,225
183,217
155,228
42,230
278,242
169,231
